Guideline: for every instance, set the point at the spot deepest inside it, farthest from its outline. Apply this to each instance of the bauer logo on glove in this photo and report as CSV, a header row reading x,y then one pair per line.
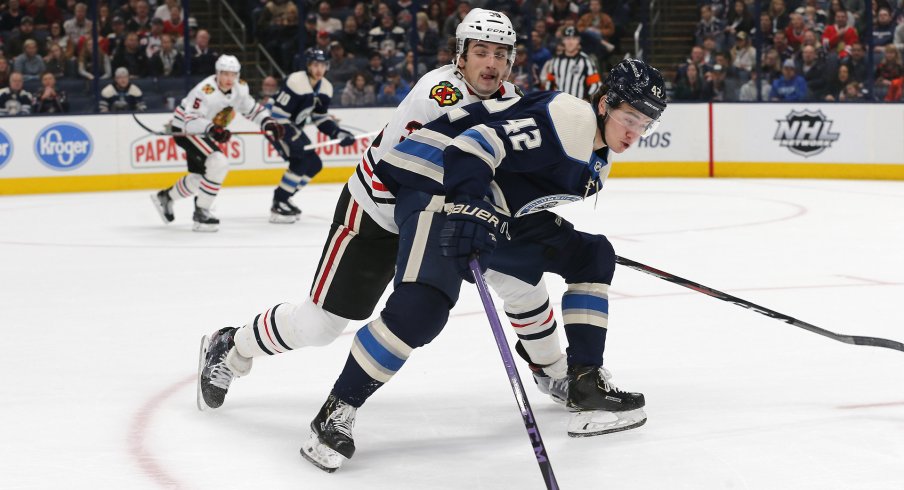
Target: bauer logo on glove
x,y
479,213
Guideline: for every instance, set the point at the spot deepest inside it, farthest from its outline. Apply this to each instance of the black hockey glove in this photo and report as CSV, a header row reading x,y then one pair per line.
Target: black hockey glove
x,y
274,130
346,137
470,228
218,133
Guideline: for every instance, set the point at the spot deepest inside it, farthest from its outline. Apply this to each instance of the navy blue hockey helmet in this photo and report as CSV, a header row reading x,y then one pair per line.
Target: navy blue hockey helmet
x,y
639,85
314,54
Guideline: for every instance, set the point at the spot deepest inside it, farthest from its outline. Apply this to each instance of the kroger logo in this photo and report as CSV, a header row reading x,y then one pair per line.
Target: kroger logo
x,y
6,148
63,146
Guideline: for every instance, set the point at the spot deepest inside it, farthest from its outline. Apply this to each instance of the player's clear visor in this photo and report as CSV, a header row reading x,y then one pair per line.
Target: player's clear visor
x,y
633,121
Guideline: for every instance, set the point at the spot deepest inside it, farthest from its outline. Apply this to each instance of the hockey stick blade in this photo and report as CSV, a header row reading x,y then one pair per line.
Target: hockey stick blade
x,y
847,339
533,432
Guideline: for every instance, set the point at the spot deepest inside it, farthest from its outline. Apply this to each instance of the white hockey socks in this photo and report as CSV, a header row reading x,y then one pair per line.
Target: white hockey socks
x,y
286,327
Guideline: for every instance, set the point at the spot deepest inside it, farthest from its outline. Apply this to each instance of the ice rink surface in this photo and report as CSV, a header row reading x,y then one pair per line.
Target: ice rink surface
x,y
102,310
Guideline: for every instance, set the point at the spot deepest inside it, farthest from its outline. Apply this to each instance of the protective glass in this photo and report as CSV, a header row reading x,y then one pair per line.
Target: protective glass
x,y
633,122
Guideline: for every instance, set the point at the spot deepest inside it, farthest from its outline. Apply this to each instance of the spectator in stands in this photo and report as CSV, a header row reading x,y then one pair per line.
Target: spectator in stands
x,y
839,36
164,9
309,32
453,20
353,40
342,68
140,22
269,89
813,69
29,63
394,89
174,24
9,20
791,87
44,14
358,93
117,37
152,40
14,100
739,19
436,15
780,43
597,32
815,18
812,39
104,21
55,61
132,57
690,86
5,72
443,58
765,28
890,67
59,37
899,36
540,54
122,95
79,25
49,99
86,61
276,16
838,82
895,90
853,92
748,90
203,58
779,14
376,70
856,62
26,32
795,30
387,30
523,75
562,13
771,67
428,41
709,25
884,29
743,54
410,71
362,16
325,21
167,61
714,87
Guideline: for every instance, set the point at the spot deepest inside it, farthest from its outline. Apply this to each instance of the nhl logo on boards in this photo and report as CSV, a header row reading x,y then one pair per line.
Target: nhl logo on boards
x,y
445,94
806,133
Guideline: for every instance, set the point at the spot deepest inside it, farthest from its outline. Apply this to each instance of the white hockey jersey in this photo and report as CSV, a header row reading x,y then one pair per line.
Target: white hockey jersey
x,y
206,104
437,92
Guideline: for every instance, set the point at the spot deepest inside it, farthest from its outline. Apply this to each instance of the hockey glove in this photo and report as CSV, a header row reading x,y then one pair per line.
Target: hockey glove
x,y
274,130
346,137
218,133
470,228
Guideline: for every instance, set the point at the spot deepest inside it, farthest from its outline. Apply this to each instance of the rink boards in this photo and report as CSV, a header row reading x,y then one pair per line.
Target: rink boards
x,y
112,152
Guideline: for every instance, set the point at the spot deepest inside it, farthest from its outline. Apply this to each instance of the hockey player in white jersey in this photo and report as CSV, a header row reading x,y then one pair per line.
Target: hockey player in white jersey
x,y
304,97
201,120
358,258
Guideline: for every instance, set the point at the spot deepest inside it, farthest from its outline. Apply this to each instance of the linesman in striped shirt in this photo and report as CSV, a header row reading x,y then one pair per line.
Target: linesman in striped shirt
x,y
572,72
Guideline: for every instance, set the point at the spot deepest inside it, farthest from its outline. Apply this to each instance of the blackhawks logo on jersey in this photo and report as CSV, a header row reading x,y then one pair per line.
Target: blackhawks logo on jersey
x,y
208,89
445,94
224,117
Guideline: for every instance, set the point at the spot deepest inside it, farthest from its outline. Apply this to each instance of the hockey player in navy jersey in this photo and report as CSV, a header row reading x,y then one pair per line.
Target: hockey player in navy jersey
x,y
358,258
303,97
480,180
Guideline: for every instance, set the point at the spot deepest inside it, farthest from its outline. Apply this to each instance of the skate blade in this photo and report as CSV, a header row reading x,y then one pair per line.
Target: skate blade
x,y
160,209
321,456
283,219
206,228
598,422
205,341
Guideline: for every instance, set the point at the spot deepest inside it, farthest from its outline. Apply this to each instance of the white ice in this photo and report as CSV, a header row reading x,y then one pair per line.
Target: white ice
x,y
102,309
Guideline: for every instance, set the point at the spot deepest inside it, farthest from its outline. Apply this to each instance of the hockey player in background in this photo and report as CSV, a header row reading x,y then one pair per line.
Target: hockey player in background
x,y
479,182
303,97
202,119
359,256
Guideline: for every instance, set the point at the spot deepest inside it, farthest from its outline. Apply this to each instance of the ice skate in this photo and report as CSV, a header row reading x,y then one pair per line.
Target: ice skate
x,y
204,220
284,212
218,364
555,387
164,205
600,407
331,442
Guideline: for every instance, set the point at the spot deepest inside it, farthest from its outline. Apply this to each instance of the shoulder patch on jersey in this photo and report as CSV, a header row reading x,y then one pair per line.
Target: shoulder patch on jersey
x,y
208,89
445,94
242,81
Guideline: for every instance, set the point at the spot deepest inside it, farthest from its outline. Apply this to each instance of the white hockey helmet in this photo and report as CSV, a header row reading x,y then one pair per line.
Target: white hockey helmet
x,y
485,25
227,62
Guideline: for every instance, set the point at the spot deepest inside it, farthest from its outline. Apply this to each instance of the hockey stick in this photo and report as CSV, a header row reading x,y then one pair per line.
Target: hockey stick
x,y
314,146
164,133
847,339
533,432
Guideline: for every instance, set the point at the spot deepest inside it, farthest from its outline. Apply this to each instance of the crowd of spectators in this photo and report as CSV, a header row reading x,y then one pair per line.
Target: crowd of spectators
x,y
379,49
47,54
810,50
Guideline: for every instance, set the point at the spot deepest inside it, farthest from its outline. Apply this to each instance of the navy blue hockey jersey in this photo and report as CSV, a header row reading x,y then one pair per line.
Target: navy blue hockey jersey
x,y
299,103
526,154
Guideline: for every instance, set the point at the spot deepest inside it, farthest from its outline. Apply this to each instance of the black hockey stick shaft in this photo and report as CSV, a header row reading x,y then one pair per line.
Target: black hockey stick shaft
x,y
530,424
164,133
847,339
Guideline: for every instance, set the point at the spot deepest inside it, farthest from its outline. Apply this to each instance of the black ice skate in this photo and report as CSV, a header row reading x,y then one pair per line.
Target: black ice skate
x,y
218,365
164,205
284,212
204,220
331,442
601,407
